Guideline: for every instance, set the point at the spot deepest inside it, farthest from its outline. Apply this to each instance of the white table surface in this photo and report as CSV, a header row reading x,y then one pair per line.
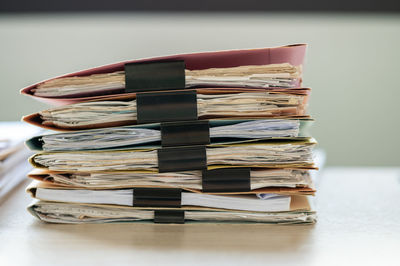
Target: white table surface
x,y
359,224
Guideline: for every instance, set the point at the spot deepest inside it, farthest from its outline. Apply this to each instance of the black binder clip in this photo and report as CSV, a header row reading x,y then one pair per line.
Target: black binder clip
x,y
184,158
157,197
154,76
226,180
169,216
185,133
166,106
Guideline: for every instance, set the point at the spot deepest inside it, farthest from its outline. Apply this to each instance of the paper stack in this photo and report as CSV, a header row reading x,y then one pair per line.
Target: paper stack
x,y
205,137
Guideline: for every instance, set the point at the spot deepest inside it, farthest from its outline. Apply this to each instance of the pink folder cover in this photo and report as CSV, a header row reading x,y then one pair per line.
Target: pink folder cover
x,y
293,54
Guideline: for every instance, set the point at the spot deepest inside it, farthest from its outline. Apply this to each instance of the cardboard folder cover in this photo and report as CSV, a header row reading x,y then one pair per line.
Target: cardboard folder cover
x,y
185,133
294,107
292,54
260,154
35,186
64,212
46,178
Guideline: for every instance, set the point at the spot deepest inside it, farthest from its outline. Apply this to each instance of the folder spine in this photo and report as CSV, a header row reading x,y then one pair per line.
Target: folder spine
x,y
156,107
169,216
186,133
154,76
226,180
157,197
185,158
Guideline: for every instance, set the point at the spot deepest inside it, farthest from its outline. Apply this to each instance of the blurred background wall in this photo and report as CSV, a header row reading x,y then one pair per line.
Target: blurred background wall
x,y
352,62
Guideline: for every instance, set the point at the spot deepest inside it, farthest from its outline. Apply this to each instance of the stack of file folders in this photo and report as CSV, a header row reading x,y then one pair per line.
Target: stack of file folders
x,y
204,137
